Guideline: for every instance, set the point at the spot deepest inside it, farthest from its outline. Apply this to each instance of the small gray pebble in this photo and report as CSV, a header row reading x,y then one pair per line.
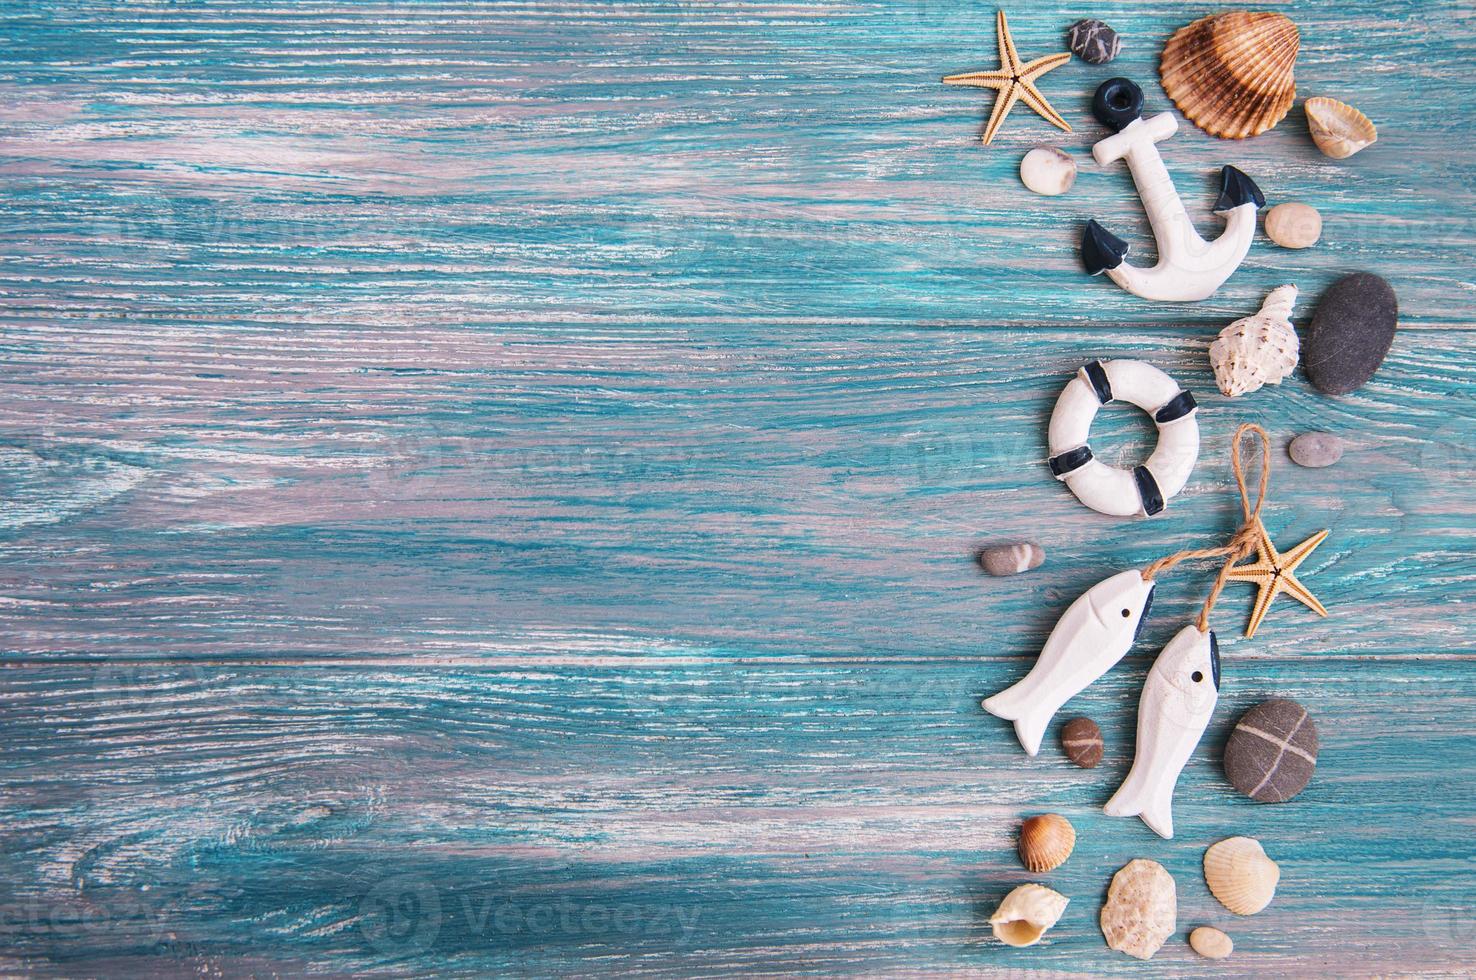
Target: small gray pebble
x,y
1011,559
1093,41
1315,449
1351,332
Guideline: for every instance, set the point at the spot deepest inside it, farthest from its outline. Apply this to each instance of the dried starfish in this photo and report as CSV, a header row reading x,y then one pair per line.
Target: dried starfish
x,y
1274,573
1013,81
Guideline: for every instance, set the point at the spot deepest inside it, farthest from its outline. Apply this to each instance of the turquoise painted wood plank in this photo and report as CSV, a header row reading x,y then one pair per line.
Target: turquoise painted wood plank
x,y
665,819
457,494
321,163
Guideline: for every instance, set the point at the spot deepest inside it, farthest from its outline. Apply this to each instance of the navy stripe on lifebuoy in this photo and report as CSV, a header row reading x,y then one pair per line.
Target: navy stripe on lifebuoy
x,y
1097,378
1148,491
1071,459
1176,408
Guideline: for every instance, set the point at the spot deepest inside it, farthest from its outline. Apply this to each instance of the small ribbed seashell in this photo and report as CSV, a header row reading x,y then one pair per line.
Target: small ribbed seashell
x,y
1240,874
1232,74
1026,913
1046,841
1257,350
1338,129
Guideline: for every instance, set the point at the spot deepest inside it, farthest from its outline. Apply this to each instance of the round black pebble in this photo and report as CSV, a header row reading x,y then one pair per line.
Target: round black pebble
x,y
1351,332
1081,740
1272,751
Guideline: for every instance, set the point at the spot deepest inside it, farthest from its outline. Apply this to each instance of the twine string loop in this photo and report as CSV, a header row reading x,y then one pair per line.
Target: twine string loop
x,y
1243,542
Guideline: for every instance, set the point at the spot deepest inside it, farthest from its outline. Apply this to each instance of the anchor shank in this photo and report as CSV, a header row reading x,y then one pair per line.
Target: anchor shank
x,y
1172,228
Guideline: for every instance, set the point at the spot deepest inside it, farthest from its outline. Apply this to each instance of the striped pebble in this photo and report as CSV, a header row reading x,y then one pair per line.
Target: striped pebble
x,y
1272,751
1011,559
1081,740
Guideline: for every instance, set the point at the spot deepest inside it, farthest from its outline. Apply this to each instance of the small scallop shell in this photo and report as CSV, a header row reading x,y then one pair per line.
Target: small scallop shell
x,y
1046,841
1232,74
1240,874
1026,913
1338,129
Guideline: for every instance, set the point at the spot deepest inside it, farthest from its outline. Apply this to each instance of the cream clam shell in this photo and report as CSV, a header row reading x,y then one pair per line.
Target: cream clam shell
x,y
1046,841
1338,129
1240,875
1026,913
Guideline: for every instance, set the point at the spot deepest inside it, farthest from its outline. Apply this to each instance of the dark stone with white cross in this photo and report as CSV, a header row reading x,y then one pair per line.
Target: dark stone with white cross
x,y
1272,751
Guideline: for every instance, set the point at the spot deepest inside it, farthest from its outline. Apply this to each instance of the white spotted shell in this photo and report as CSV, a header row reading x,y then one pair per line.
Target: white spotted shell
x,y
1257,350
1240,874
1141,909
1026,913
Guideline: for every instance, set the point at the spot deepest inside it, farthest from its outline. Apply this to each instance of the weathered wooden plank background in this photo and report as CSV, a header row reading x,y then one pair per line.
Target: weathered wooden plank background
x,y
489,488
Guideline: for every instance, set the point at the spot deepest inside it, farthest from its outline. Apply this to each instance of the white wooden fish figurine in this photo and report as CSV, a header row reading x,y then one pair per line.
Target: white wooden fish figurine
x,y
1178,699
1092,635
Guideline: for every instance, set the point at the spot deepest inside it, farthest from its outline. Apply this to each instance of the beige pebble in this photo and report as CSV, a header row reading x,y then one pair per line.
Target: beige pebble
x,y
1211,943
1294,225
1047,170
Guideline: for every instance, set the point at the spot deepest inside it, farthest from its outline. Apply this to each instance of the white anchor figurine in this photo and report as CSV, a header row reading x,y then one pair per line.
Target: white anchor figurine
x,y
1189,268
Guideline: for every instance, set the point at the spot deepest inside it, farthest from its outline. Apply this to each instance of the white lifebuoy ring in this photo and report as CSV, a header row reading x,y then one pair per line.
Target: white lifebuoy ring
x,y
1143,490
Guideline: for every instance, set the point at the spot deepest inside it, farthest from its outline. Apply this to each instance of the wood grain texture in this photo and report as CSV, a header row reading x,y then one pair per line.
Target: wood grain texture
x,y
490,489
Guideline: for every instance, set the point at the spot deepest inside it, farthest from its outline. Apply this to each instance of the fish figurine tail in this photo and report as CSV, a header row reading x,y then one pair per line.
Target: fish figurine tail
x,y
1136,798
1031,719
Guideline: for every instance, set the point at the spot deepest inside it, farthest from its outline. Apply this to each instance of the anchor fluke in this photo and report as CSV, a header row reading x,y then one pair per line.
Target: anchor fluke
x,y
1237,189
1101,250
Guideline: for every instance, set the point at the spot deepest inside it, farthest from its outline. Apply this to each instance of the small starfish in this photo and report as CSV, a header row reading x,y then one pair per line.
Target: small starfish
x,y
1275,573
1013,81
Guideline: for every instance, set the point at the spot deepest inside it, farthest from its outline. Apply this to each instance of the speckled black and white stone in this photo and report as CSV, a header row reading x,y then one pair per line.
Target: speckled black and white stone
x,y
1093,41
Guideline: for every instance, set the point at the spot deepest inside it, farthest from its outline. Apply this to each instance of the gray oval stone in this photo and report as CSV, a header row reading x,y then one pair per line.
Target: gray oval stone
x,y
1315,449
1351,332
1011,559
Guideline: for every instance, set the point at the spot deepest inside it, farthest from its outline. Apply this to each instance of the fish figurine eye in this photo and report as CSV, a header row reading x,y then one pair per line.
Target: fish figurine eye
x,y
1197,676
1127,614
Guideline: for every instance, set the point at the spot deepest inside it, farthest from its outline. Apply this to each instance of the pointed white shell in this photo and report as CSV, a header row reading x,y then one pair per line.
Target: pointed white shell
x,y
1257,350
1026,913
1240,874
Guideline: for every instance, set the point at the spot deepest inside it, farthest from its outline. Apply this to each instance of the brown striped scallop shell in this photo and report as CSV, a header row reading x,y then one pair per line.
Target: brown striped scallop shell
x,y
1232,74
1046,842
